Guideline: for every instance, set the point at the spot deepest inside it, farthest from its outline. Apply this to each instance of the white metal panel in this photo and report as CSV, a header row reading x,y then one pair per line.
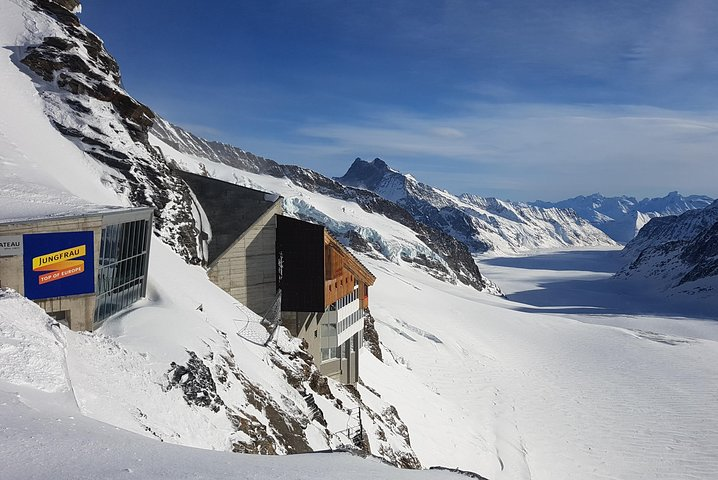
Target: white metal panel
x,y
346,334
347,310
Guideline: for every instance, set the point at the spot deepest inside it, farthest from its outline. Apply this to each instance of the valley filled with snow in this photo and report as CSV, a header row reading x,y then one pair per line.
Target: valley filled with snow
x,y
574,375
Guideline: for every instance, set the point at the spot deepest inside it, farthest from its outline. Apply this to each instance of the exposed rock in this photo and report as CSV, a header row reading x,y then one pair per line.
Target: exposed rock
x,y
371,337
195,380
288,429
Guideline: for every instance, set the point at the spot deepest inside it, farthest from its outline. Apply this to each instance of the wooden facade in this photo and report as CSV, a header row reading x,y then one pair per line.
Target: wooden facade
x,y
314,270
324,296
341,271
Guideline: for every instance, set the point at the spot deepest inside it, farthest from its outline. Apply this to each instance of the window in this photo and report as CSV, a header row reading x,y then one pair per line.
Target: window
x,y
330,353
122,275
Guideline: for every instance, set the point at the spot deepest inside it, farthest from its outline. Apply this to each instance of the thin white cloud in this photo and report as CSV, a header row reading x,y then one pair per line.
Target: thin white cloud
x,y
540,150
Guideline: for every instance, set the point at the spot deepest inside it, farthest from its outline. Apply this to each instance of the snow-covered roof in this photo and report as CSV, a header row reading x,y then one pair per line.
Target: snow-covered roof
x,y
37,210
24,201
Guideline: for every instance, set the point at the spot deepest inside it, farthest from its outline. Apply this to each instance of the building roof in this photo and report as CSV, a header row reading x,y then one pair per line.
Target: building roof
x,y
39,212
355,265
230,209
24,202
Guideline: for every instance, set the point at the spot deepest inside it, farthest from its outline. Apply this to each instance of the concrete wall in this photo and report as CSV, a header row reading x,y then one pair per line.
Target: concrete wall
x,y
247,269
11,268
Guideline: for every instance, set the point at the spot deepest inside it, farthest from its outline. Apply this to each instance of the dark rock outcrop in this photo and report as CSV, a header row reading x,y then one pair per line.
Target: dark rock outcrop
x,y
195,380
371,337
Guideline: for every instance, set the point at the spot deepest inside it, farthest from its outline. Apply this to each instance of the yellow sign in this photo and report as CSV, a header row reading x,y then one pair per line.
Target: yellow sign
x,y
49,261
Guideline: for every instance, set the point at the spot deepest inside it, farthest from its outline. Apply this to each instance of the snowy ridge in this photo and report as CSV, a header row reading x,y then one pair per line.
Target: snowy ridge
x,y
421,244
485,224
622,217
677,253
662,230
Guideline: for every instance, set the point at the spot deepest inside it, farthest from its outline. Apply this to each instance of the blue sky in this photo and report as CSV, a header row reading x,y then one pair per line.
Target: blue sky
x,y
514,99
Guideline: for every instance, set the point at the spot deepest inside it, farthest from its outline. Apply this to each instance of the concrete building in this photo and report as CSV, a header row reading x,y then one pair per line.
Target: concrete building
x,y
81,267
238,238
251,251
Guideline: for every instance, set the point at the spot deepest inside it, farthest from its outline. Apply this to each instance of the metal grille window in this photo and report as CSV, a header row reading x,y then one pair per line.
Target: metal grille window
x,y
122,276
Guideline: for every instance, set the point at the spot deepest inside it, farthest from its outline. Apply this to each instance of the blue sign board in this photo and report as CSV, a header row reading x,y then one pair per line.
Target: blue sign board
x,y
58,264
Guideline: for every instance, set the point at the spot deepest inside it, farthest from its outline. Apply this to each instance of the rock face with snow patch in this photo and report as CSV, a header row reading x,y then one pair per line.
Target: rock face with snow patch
x,y
80,84
622,217
679,253
484,224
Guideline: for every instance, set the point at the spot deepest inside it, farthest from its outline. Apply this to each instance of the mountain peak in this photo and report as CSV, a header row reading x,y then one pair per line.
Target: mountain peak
x,y
365,174
379,163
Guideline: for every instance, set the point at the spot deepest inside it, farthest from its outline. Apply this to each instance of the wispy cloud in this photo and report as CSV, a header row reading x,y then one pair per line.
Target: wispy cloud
x,y
529,150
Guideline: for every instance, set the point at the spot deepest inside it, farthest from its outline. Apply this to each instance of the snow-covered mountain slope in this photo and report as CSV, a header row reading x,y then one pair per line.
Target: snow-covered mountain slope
x,y
50,378
677,253
79,85
363,220
662,230
622,217
186,376
485,224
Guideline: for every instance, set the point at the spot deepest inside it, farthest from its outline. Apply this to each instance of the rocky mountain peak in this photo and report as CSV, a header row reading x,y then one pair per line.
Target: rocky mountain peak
x,y
380,164
379,178
365,174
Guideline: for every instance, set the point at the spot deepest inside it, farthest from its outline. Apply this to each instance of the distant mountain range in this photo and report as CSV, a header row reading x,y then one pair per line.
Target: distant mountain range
x,y
678,253
622,217
484,224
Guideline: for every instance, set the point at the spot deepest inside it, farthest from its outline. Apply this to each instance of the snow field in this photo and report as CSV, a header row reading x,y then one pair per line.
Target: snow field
x,y
43,439
541,396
